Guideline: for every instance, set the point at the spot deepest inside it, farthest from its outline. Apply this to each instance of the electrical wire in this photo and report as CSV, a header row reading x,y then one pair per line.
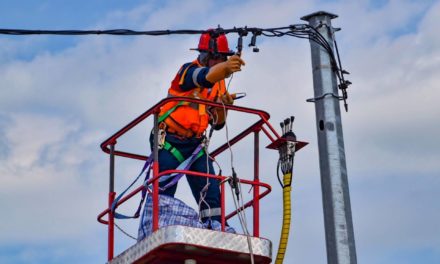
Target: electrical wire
x,y
242,219
124,232
304,31
278,173
205,188
226,125
237,184
248,235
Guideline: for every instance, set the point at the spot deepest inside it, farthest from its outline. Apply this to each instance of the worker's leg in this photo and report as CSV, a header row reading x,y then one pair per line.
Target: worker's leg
x,y
210,204
167,162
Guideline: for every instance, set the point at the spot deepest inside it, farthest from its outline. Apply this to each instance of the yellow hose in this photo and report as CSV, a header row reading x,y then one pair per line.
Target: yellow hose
x,y
287,178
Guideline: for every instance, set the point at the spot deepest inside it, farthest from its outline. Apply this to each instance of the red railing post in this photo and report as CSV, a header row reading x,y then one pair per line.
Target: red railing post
x,y
256,200
111,227
222,205
155,197
111,198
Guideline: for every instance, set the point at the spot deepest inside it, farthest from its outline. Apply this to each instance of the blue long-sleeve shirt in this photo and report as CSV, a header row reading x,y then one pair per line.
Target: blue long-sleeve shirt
x,y
195,76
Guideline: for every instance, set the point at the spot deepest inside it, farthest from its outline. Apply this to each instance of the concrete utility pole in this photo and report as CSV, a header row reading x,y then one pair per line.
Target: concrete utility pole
x,y
335,194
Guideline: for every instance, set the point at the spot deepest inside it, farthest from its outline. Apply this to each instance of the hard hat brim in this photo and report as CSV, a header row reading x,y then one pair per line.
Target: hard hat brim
x,y
229,53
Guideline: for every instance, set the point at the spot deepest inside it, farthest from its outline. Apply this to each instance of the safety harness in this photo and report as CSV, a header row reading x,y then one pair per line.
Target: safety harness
x,y
167,123
185,164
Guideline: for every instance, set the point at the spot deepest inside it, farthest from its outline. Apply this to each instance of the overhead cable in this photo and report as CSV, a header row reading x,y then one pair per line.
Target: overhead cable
x,y
304,31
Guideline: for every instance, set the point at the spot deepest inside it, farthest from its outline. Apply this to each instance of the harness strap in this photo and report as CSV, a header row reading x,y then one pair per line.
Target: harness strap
x,y
175,152
167,113
203,119
147,167
174,127
185,165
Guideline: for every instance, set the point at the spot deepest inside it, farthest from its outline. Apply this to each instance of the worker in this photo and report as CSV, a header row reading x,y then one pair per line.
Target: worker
x,y
183,125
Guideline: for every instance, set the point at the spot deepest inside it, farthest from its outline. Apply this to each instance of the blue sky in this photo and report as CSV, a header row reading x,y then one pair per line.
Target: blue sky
x,y
60,97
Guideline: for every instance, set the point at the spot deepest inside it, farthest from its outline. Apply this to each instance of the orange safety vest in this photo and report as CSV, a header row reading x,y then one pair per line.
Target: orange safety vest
x,y
184,118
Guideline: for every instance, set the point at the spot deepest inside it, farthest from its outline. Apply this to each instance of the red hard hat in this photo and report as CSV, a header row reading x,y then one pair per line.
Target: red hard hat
x,y
222,44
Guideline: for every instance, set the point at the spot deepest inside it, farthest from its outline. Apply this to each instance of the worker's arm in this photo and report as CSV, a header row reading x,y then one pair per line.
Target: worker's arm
x,y
195,76
192,76
223,70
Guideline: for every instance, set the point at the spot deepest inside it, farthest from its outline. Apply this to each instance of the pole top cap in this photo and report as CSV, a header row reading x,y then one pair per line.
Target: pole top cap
x,y
318,13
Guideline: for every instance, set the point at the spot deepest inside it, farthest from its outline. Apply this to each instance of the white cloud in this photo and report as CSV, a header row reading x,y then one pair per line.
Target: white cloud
x,y
30,134
49,176
394,103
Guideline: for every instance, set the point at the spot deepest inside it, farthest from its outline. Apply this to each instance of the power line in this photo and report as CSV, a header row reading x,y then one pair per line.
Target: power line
x,y
304,31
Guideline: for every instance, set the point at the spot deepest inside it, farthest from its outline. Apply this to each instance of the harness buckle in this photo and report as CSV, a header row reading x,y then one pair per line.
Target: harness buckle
x,y
162,135
205,141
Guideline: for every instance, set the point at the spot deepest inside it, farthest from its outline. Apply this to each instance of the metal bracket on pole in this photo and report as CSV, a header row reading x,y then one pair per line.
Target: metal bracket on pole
x,y
334,183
